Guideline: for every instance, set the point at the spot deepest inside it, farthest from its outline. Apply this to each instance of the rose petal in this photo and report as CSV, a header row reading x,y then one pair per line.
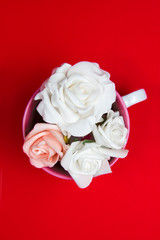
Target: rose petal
x,y
28,142
97,136
86,68
36,163
52,160
120,153
67,114
41,127
105,168
74,99
43,163
63,68
54,79
45,108
65,162
52,142
105,100
82,181
80,128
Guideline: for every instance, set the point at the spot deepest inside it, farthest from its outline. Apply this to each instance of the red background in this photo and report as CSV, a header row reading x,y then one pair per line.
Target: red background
x,y
124,38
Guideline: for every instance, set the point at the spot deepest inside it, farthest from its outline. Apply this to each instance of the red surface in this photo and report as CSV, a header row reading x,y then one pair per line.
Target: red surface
x,y
124,38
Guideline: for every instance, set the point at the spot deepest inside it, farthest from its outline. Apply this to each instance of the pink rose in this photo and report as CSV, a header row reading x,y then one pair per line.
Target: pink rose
x,y
44,145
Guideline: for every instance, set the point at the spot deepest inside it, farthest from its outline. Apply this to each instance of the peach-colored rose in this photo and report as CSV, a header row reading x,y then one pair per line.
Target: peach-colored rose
x,y
44,145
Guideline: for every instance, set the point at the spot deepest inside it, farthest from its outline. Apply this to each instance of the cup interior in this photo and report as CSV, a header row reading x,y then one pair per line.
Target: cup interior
x,y
31,117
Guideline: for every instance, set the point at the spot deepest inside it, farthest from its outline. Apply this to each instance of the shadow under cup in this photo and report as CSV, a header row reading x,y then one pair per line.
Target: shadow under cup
x,y
31,117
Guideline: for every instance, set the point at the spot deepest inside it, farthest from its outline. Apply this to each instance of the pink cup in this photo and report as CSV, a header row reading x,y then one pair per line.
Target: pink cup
x,y
31,117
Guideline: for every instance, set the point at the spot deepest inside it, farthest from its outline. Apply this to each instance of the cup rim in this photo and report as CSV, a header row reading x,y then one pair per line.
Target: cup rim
x,y
51,171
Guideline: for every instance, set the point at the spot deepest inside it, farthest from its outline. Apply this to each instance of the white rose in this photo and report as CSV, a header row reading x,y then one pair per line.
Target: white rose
x,y
112,133
75,97
85,161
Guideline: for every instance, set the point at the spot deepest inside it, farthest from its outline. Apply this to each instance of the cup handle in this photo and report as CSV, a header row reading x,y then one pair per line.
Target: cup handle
x,y
134,97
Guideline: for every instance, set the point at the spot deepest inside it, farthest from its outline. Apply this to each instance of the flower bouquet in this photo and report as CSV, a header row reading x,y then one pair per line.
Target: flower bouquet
x,y
79,126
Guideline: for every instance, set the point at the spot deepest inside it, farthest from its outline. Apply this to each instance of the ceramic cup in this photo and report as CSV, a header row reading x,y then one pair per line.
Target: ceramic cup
x,y
31,117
